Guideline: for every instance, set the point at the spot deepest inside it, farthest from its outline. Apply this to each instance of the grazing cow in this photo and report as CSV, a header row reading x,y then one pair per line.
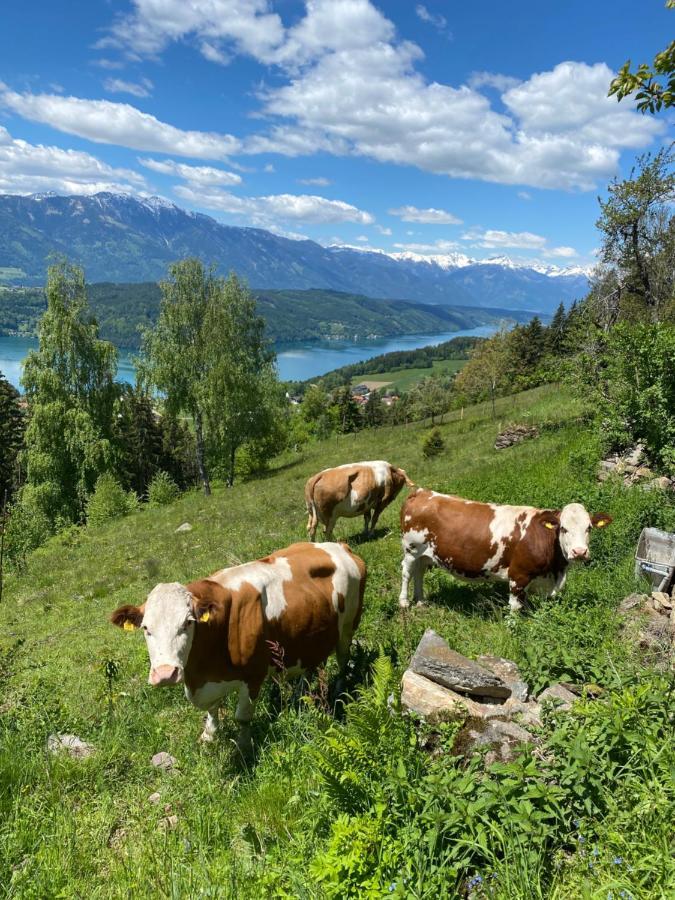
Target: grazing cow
x,y
526,546
353,489
225,633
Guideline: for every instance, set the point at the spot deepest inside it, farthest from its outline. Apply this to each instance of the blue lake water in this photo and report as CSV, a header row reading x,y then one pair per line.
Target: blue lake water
x,y
295,362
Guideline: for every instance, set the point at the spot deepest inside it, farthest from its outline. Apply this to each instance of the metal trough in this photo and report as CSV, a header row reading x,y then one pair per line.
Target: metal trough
x,y
655,557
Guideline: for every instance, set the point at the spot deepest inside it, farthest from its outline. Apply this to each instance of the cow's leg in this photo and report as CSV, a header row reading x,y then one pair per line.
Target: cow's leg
x,y
330,525
411,567
367,527
243,716
419,568
210,725
517,594
312,522
376,515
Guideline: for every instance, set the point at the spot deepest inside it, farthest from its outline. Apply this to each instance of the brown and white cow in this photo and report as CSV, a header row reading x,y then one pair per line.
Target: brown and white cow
x,y
225,633
528,547
354,489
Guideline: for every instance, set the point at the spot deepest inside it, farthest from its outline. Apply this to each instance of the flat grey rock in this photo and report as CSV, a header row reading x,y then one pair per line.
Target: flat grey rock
x,y
164,760
184,527
433,702
509,673
436,661
559,695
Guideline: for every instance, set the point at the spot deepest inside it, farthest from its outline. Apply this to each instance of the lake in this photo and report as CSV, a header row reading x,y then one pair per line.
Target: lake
x,y
296,362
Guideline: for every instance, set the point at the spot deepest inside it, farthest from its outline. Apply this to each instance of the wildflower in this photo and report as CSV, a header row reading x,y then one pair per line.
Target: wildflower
x,y
596,852
581,839
474,882
618,861
392,887
577,823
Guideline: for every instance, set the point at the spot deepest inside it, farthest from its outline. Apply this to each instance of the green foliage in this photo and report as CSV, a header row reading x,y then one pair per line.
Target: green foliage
x,y
12,427
650,95
433,444
637,392
70,392
27,528
162,489
109,501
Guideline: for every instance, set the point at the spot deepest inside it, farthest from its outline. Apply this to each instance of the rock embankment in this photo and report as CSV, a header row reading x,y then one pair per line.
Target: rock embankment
x,y
632,468
514,434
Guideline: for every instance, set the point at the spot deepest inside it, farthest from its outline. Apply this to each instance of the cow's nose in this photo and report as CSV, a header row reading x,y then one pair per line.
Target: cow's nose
x,y
580,553
164,675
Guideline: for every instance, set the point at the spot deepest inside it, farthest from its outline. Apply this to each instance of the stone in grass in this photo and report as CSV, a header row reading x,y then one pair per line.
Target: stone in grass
x,y
502,737
559,695
184,527
509,673
436,661
168,823
70,744
155,797
164,760
433,702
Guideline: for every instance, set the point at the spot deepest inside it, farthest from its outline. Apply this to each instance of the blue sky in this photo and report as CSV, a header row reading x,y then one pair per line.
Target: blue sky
x,y
480,128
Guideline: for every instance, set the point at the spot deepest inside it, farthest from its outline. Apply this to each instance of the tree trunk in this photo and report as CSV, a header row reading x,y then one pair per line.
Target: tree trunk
x,y
641,267
201,463
230,473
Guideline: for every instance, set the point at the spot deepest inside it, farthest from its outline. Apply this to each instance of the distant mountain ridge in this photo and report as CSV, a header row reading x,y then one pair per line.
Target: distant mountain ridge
x,y
121,238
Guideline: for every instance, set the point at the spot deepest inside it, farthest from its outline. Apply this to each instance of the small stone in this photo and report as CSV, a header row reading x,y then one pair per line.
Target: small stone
x,y
661,600
436,661
630,602
557,692
168,823
164,760
155,798
643,472
662,483
184,527
70,744
634,456
529,713
508,672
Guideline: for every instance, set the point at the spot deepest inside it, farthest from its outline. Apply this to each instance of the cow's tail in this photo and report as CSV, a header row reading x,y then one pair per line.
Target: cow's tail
x,y
312,514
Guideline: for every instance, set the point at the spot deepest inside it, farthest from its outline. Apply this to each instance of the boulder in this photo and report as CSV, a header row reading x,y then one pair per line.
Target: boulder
x,y
662,483
633,457
559,695
70,744
514,435
434,702
435,660
502,737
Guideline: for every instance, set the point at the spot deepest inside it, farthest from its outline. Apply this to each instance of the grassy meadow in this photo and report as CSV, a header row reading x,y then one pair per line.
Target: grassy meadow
x,y
403,379
352,805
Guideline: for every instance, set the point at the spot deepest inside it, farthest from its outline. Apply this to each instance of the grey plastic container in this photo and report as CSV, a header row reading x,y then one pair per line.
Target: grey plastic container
x,y
655,557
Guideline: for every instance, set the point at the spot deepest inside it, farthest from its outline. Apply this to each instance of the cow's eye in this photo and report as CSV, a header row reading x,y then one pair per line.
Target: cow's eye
x,y
563,530
145,629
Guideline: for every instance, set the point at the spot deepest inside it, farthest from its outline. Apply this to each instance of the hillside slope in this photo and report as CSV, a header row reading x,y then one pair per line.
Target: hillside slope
x,y
73,828
119,238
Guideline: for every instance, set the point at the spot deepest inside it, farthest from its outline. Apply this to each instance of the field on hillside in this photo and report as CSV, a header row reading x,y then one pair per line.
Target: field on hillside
x,y
403,379
351,806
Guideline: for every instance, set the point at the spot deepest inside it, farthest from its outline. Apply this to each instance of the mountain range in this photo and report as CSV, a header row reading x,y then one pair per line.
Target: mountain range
x,y
122,238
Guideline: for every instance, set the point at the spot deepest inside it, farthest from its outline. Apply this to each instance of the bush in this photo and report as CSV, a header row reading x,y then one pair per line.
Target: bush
x,y
109,500
27,528
433,444
162,490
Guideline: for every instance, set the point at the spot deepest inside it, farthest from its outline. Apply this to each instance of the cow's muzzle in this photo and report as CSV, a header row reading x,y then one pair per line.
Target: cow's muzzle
x,y
165,675
579,553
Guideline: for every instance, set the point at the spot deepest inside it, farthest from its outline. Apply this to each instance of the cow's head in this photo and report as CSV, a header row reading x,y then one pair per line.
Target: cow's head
x,y
573,524
167,619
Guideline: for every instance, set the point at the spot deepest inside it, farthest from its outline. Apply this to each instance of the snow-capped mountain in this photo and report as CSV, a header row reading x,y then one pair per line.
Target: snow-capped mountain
x,y
122,238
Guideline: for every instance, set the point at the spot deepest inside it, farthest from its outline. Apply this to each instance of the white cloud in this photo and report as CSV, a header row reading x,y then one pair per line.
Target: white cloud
x,y
205,176
105,122
383,230
524,195
429,216
136,89
317,182
363,238
269,169
265,210
493,80
32,168
436,19
493,239
215,54
565,252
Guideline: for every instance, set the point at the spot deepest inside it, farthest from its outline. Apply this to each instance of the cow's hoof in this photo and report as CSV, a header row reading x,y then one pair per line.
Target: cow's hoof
x,y
404,604
207,737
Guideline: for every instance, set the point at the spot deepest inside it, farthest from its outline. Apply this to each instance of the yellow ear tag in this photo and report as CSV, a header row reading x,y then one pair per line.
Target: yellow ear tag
x,y
549,525
205,616
601,523
129,626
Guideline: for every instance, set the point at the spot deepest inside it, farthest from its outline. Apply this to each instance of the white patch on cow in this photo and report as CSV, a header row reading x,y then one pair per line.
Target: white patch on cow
x,y
505,519
168,625
212,692
407,518
346,581
381,469
416,543
575,528
268,578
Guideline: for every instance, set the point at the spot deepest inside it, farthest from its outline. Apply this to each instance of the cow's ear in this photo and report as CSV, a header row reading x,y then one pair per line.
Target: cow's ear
x,y
207,600
550,519
599,520
128,617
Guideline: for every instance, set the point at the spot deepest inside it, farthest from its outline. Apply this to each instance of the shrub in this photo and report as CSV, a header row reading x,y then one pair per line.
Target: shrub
x,y
433,444
27,528
109,500
162,490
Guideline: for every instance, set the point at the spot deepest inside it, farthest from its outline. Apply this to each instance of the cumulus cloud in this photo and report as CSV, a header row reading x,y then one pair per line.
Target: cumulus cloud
x,y
564,252
429,216
136,89
436,19
434,249
494,239
316,182
196,175
493,80
269,209
34,168
383,230
105,122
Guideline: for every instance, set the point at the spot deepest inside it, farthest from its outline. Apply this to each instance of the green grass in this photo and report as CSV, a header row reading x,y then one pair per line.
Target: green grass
x,y
273,829
403,379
